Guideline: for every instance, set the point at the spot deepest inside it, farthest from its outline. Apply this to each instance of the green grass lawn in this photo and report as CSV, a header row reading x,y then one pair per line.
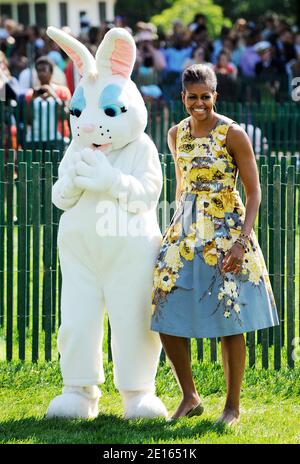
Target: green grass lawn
x,y
270,409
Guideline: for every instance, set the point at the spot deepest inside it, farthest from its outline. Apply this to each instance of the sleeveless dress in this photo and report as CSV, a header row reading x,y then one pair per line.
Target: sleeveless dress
x,y
191,297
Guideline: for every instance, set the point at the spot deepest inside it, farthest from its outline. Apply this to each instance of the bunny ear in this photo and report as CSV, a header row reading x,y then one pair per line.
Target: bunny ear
x,y
82,58
116,54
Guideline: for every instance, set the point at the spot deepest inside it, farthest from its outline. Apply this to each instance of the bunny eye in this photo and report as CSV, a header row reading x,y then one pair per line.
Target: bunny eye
x,y
113,110
75,112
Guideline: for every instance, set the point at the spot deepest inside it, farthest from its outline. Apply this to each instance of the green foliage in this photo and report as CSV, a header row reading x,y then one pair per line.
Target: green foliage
x,y
250,9
185,11
132,11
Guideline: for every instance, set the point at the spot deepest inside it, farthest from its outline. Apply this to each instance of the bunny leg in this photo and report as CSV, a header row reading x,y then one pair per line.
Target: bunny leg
x,y
135,348
79,341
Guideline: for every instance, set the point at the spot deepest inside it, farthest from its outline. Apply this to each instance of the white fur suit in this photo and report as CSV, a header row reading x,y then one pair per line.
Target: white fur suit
x,y
109,185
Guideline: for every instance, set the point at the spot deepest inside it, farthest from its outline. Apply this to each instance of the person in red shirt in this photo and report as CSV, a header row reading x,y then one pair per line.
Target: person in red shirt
x,y
224,66
46,102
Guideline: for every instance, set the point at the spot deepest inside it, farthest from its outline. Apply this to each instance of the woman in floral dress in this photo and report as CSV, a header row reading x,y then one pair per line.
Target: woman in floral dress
x,y
210,279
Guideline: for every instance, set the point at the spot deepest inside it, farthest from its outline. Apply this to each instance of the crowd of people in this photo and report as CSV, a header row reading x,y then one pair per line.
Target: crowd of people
x,y
32,67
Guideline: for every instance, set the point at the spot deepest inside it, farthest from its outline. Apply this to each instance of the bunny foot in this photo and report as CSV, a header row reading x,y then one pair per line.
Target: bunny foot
x,y
142,404
75,402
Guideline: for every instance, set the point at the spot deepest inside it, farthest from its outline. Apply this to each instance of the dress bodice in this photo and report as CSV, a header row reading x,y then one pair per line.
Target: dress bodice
x,y
204,162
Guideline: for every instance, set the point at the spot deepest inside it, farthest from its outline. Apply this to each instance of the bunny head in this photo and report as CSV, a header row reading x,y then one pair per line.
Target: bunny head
x,y
106,110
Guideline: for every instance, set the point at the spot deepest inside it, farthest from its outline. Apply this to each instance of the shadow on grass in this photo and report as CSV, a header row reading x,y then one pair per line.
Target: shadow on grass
x,y
106,429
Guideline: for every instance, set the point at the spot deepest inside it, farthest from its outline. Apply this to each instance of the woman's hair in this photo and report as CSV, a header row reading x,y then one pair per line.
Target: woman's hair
x,y
199,74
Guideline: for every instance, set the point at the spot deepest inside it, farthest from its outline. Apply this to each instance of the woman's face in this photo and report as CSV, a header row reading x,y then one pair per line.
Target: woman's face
x,y
222,61
199,100
199,55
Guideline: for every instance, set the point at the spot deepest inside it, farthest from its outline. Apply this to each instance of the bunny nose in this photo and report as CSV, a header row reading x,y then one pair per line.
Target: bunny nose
x,y
88,127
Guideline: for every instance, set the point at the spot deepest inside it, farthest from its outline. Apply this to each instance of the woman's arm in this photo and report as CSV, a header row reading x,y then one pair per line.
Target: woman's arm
x,y
239,146
172,134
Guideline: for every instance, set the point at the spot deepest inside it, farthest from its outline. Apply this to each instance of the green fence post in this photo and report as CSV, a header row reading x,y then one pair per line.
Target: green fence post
x,y
22,266
10,260
162,126
36,224
2,233
290,264
283,242
271,163
277,262
55,157
260,161
47,297
40,111
264,248
28,160
213,349
11,156
2,125
162,217
200,349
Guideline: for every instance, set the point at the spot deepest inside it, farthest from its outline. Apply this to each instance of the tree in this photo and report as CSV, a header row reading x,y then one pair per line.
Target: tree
x,y
185,10
140,10
255,9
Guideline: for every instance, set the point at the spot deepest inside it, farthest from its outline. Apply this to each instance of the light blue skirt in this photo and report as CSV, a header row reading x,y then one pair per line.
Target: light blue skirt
x,y
204,302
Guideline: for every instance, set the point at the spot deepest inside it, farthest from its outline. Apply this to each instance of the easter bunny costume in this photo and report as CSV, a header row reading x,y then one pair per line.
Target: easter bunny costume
x,y
108,185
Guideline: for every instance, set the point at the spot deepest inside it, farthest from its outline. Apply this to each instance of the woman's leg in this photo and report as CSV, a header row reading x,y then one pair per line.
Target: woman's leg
x,y
178,353
234,355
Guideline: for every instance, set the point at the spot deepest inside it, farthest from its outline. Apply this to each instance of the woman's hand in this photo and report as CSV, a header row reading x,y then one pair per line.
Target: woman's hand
x,y
233,259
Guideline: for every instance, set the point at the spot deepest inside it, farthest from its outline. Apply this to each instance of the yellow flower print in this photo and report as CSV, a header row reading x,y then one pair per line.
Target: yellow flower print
x,y
223,243
166,280
227,314
172,258
216,207
240,210
210,254
229,302
255,275
156,278
205,228
174,232
201,151
184,162
220,165
217,175
186,138
235,233
187,247
253,267
229,286
230,222
220,138
221,296
228,181
237,308
228,201
200,175
222,129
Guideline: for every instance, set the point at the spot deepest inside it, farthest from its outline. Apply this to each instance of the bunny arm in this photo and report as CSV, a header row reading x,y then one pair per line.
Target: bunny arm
x,y
64,193
140,190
